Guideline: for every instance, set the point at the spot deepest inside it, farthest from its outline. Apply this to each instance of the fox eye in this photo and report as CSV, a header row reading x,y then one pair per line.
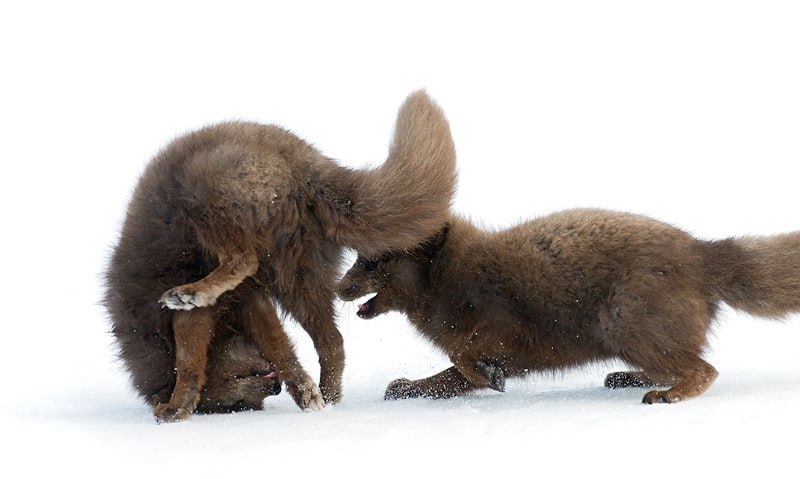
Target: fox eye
x,y
369,265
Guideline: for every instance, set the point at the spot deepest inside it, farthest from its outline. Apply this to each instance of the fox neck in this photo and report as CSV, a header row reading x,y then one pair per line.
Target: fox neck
x,y
416,285
437,262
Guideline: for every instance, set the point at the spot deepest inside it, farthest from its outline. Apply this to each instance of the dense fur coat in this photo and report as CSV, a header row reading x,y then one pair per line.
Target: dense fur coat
x,y
571,288
233,217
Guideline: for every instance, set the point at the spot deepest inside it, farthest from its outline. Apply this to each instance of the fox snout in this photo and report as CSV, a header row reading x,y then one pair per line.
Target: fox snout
x,y
348,293
350,289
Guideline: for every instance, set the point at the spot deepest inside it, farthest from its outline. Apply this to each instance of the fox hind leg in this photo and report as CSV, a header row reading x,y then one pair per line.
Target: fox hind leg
x,y
690,382
234,267
662,337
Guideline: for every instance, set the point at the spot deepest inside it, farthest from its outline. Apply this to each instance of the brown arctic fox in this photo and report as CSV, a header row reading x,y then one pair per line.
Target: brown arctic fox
x,y
233,217
571,288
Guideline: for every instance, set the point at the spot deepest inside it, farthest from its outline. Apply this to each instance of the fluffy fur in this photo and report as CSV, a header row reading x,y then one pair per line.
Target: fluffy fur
x,y
233,217
571,288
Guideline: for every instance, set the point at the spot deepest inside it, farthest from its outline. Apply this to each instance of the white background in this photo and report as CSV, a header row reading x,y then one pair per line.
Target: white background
x,y
688,111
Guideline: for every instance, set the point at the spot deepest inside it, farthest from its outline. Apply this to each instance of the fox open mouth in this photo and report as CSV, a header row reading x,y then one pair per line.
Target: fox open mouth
x,y
271,384
266,374
367,309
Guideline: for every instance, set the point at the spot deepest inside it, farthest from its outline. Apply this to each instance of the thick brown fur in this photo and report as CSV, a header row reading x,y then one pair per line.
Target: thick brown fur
x,y
572,288
230,219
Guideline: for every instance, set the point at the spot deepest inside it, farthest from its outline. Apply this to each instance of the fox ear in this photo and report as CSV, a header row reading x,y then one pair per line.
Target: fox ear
x,y
432,245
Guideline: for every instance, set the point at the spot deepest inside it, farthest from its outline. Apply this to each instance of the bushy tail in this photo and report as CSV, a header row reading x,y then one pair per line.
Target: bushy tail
x,y
758,275
407,199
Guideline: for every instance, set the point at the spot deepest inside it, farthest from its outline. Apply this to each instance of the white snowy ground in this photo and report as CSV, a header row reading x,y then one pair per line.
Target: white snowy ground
x,y
688,111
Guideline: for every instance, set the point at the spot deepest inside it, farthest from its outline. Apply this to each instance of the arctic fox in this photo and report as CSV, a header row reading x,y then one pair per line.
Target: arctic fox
x,y
571,288
233,217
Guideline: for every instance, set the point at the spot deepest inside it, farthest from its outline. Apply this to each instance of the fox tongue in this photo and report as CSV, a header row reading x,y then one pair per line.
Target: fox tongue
x,y
367,309
266,374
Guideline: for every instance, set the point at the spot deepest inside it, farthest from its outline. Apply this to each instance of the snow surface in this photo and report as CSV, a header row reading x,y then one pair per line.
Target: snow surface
x,y
686,111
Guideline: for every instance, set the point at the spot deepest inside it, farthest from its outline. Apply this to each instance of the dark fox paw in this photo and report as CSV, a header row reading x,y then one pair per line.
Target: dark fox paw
x,y
399,389
493,374
623,380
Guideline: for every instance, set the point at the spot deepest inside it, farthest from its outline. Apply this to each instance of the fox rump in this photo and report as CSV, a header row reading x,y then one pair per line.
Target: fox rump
x,y
231,219
572,288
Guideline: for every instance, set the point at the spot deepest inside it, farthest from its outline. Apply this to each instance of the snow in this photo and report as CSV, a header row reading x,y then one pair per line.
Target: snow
x,y
686,111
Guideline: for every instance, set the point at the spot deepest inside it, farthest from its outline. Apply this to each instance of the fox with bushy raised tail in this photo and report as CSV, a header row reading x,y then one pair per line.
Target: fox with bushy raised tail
x,y
230,219
572,288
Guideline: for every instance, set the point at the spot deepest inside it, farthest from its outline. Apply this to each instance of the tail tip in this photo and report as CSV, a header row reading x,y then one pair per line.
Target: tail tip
x,y
419,102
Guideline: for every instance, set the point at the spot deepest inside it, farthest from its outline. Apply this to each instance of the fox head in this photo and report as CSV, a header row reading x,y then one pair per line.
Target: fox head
x,y
239,378
397,279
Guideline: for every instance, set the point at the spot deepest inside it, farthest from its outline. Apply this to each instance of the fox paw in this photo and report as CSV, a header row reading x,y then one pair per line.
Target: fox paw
x,y
306,395
185,299
331,394
170,413
493,374
624,380
399,389
664,397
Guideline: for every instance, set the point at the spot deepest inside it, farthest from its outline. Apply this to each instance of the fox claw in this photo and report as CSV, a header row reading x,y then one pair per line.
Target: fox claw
x,y
493,374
